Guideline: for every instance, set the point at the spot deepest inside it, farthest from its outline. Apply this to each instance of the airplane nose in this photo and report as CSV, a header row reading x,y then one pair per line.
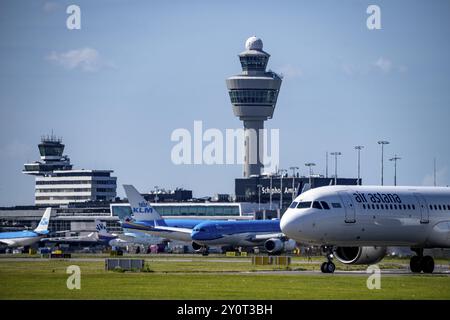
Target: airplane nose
x,y
289,224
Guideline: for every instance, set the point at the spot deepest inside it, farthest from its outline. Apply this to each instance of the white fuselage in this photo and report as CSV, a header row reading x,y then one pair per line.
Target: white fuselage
x,y
371,216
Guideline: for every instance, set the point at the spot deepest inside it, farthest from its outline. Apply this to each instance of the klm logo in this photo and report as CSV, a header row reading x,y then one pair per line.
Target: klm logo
x,y
143,208
44,222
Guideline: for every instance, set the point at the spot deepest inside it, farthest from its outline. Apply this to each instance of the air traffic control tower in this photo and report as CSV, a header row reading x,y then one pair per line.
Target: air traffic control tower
x,y
253,94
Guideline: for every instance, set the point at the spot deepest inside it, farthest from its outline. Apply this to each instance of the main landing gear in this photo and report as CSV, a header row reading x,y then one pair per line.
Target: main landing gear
x,y
420,262
329,266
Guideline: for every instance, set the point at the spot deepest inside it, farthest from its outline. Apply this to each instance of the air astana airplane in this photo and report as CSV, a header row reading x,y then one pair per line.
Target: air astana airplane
x,y
355,224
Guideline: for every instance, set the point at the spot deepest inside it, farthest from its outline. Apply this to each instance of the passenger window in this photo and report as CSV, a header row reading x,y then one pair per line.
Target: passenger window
x,y
304,205
391,206
448,206
336,205
440,208
325,205
414,207
293,205
435,207
395,206
431,207
378,206
364,206
317,205
409,207
373,206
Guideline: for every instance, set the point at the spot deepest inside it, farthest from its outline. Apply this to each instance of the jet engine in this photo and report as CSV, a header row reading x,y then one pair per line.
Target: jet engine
x,y
197,247
275,245
360,255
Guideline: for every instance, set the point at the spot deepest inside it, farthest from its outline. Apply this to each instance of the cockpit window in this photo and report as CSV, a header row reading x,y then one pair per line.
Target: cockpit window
x,y
304,205
293,205
325,205
316,205
336,205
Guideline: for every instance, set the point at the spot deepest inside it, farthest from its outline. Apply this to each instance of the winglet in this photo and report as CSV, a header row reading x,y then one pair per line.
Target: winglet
x,y
42,227
141,208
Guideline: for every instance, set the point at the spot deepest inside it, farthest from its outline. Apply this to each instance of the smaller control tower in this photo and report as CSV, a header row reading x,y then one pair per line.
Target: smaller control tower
x,y
51,150
253,94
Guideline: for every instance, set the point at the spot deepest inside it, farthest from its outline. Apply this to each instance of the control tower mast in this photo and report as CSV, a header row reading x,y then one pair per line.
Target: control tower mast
x,y
253,94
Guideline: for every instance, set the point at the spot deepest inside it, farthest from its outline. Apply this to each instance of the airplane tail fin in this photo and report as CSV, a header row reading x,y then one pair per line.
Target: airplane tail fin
x,y
306,187
42,227
141,208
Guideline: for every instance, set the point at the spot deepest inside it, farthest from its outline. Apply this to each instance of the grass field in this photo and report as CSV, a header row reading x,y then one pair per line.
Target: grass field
x,y
209,278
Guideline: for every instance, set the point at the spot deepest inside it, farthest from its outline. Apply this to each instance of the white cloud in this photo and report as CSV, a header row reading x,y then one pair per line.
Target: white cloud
x,y
86,59
290,71
441,177
384,64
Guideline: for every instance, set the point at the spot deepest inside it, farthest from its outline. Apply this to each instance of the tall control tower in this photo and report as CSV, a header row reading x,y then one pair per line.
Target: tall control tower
x,y
253,94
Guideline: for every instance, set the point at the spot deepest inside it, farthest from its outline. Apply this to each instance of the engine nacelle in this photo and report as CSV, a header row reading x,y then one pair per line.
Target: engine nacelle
x,y
275,245
197,247
360,255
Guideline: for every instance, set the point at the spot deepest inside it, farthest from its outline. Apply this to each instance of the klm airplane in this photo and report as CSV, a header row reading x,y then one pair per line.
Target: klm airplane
x,y
27,237
255,233
148,220
205,233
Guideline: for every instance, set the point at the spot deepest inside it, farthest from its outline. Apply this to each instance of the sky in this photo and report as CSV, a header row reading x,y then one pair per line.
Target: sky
x,y
117,88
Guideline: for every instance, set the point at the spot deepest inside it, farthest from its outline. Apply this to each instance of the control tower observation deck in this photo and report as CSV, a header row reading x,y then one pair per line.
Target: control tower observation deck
x,y
254,94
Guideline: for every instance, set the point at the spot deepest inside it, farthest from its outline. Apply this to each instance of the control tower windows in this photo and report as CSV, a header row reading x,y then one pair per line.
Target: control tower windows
x,y
254,63
246,96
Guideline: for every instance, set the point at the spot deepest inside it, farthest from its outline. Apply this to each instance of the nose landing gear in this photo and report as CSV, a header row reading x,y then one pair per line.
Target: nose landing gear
x,y
329,266
420,262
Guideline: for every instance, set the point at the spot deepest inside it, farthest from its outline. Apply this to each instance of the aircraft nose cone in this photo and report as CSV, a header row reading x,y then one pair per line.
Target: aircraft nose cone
x,y
289,224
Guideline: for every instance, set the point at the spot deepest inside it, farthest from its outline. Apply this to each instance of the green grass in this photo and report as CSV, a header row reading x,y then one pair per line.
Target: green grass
x,y
204,279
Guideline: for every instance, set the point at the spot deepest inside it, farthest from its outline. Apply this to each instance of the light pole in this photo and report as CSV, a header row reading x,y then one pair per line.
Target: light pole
x,y
335,154
271,191
359,163
382,158
310,165
434,172
259,196
281,171
156,194
395,158
293,181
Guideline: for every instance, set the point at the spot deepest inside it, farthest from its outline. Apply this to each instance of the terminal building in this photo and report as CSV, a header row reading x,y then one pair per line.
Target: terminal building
x,y
58,184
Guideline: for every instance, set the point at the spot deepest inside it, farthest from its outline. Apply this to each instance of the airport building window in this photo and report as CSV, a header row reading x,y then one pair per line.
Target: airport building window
x,y
304,205
316,205
293,205
325,205
336,205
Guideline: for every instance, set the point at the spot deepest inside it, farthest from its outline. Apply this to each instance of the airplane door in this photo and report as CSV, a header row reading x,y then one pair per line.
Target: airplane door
x,y
423,207
349,207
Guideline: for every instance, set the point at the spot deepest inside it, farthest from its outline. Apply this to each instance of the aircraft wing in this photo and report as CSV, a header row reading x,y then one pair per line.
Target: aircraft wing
x,y
264,237
173,229
89,238
8,242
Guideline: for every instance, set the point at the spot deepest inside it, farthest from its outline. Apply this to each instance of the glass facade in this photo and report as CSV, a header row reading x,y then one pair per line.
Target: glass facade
x,y
256,96
212,210
254,63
